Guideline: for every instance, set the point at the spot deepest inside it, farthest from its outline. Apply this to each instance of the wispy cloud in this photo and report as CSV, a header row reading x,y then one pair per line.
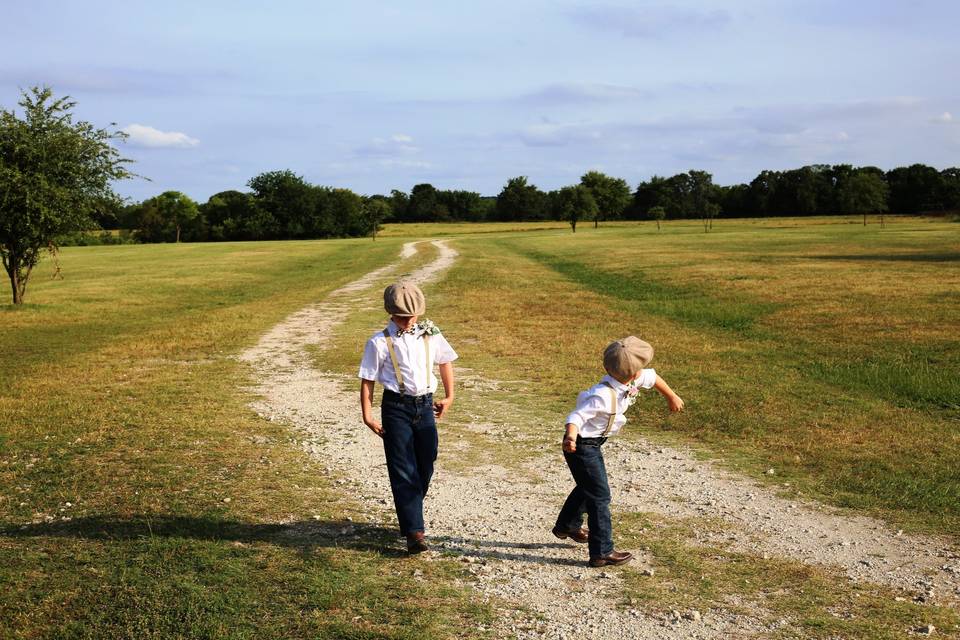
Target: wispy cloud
x,y
944,118
584,93
648,22
146,136
397,144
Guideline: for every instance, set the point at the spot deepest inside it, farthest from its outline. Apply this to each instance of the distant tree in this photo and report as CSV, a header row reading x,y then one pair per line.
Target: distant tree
x,y
175,210
374,212
657,213
228,215
612,195
425,204
710,211
864,192
950,188
399,206
289,203
915,189
575,203
520,201
462,205
55,175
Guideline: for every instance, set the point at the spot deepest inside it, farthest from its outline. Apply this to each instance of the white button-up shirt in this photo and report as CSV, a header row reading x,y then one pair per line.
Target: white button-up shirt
x,y
594,405
411,356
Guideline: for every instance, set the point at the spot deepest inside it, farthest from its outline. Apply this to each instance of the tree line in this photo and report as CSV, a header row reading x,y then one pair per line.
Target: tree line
x,y
283,205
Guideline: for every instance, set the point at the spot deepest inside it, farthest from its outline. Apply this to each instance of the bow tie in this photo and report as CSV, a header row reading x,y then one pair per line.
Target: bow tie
x,y
411,331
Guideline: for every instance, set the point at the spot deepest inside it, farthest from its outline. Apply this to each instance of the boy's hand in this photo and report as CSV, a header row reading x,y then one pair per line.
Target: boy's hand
x,y
440,408
676,403
374,426
570,445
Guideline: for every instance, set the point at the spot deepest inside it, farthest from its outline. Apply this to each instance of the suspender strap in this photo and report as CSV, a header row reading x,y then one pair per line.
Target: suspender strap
x,y
426,350
393,358
396,363
613,414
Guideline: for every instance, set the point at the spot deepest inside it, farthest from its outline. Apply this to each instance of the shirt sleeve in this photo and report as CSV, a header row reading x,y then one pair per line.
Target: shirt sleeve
x,y
587,409
648,378
444,352
371,362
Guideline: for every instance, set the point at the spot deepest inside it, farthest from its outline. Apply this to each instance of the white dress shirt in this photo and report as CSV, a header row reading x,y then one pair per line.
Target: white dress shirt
x,y
594,405
411,356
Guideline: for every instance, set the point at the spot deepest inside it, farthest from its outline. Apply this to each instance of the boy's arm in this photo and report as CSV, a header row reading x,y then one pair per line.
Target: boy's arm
x,y
673,400
570,438
366,406
446,377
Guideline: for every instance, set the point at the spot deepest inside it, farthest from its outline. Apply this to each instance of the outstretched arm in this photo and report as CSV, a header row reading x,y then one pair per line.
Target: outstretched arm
x,y
674,401
366,406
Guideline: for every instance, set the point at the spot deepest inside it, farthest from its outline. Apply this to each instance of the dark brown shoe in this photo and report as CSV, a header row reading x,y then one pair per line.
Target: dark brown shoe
x,y
416,542
580,535
613,558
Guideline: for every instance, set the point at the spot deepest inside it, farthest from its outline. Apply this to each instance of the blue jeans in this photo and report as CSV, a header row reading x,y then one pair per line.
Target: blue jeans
x,y
590,496
410,445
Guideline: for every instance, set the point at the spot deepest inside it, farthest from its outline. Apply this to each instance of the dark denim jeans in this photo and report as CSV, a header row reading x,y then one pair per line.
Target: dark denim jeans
x,y
590,496
410,444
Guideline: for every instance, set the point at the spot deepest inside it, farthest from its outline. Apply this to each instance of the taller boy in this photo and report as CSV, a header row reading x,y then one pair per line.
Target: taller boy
x,y
401,358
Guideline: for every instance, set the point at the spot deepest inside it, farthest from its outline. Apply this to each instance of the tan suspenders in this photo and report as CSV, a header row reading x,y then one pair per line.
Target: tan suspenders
x,y
613,414
396,363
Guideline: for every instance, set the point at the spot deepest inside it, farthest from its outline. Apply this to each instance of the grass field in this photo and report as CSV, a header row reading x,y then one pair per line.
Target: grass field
x,y
140,495
826,351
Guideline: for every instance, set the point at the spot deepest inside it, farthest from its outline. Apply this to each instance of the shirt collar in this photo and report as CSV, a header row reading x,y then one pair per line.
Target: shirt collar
x,y
619,387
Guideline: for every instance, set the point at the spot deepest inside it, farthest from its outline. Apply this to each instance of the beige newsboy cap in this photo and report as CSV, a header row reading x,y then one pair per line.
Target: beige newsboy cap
x,y
404,299
623,358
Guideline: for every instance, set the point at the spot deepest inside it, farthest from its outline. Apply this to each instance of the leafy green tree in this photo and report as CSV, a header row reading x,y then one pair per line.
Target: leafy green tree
x,y
289,204
55,175
612,195
657,213
575,203
424,204
374,212
175,210
710,211
864,192
228,215
915,189
520,201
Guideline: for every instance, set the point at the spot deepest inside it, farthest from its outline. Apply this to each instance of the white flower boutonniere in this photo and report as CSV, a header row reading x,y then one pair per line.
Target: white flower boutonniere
x,y
426,328
631,391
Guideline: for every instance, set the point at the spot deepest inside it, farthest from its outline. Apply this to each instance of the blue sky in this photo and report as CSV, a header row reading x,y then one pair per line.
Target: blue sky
x,y
380,95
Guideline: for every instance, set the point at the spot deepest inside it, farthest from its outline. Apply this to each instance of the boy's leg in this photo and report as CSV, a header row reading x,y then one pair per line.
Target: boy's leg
x,y
589,471
425,443
571,514
398,445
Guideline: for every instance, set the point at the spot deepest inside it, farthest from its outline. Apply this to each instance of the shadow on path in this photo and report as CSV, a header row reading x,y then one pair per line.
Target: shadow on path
x,y
301,535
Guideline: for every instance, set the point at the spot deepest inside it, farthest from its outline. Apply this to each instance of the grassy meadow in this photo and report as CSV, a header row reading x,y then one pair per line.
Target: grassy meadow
x,y
140,497
820,348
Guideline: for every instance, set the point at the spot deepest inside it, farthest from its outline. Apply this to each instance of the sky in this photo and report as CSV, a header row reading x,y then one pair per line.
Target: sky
x,y
375,96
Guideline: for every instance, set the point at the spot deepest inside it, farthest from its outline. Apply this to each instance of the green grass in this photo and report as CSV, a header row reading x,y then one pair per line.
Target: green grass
x,y
143,498
821,348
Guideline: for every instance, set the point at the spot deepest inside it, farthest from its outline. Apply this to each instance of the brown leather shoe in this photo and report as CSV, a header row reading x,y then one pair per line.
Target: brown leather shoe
x,y
416,542
580,535
613,558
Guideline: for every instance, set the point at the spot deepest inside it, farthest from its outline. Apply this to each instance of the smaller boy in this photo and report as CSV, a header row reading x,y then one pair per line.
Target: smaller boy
x,y
600,414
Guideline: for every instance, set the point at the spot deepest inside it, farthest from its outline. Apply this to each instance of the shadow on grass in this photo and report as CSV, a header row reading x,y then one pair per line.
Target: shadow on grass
x,y
947,256
303,535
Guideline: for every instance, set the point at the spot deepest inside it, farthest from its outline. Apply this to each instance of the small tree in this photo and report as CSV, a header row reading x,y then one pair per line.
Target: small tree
x,y
55,174
175,210
658,213
612,195
864,192
710,211
574,203
375,212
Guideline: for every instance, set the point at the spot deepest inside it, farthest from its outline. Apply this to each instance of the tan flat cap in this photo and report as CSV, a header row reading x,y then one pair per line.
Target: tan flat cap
x,y
404,299
623,358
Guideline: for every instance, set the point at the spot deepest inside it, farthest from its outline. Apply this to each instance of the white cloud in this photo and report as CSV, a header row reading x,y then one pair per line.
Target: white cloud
x,y
944,118
401,137
145,136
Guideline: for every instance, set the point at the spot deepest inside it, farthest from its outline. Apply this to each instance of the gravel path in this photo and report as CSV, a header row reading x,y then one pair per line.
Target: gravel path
x,y
499,523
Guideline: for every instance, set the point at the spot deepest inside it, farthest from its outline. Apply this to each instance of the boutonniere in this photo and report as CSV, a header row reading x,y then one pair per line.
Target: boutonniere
x,y
426,328
631,391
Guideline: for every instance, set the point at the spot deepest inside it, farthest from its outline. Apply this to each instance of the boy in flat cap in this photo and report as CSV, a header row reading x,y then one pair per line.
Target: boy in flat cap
x,y
401,358
600,414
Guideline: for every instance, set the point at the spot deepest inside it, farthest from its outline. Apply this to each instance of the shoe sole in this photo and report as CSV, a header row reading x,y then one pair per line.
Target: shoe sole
x,y
564,536
610,563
